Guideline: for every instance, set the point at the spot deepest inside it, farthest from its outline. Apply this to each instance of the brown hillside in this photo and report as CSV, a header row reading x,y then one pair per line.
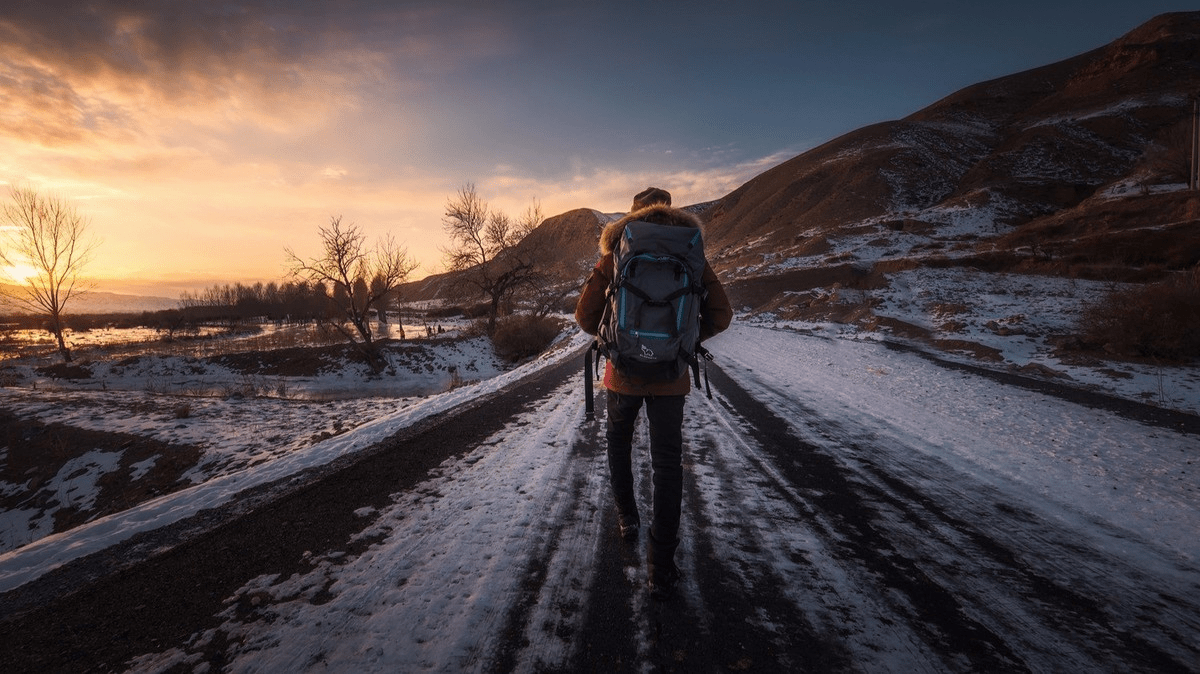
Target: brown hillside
x,y
568,244
1028,146
1132,239
566,247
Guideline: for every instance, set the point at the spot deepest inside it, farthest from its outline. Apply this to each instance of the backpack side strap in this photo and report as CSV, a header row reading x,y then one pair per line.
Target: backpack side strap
x,y
702,354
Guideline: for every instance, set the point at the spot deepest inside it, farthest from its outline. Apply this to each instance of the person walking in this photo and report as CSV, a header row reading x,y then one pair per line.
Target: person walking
x,y
663,400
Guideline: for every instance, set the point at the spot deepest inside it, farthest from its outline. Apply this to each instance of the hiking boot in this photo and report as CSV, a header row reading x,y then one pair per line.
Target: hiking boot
x,y
662,582
628,526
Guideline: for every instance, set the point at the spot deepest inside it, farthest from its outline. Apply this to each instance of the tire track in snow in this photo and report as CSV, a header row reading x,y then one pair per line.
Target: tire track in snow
x,y
624,630
544,623
1035,581
728,613
781,555
612,635
960,553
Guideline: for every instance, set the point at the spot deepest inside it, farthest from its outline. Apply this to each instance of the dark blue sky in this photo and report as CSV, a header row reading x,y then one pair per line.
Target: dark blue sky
x,y
710,82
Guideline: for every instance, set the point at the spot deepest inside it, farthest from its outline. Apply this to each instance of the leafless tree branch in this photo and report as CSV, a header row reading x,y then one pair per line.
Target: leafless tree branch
x,y
49,235
486,248
361,278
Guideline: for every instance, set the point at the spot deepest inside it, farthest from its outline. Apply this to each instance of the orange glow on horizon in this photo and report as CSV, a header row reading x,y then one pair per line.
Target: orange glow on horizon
x,y
197,163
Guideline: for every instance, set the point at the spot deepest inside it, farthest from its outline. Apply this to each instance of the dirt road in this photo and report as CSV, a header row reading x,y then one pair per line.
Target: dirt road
x,y
810,545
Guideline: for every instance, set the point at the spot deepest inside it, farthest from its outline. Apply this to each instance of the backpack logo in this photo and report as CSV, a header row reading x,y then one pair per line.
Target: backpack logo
x,y
651,326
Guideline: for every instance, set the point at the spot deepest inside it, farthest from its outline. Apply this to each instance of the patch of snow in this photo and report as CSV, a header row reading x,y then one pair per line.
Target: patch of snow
x,y
1120,108
76,484
1133,188
606,218
75,487
139,470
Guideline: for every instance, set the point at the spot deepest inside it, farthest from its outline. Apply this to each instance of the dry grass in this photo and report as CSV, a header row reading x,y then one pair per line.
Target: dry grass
x,y
1158,321
524,335
220,343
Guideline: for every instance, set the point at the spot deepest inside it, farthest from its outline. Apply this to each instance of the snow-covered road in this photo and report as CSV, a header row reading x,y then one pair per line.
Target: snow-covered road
x,y
848,507
933,521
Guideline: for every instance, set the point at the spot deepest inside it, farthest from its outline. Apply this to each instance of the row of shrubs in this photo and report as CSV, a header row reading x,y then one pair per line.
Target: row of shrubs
x,y
524,335
480,309
1158,321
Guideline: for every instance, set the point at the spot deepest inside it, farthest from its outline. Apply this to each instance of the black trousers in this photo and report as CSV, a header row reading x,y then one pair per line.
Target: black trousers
x,y
665,417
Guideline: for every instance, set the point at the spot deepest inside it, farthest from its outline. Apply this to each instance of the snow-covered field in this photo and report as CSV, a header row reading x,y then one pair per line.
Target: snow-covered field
x,y
246,440
1088,462
1014,316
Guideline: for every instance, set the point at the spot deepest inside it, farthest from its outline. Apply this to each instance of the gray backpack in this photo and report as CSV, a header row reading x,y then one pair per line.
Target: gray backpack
x,y
650,329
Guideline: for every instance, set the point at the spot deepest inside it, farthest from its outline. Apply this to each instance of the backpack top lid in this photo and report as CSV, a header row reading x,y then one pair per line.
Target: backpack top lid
x,y
647,238
610,236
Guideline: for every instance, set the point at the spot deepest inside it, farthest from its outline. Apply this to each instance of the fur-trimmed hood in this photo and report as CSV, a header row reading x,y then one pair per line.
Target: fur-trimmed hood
x,y
659,214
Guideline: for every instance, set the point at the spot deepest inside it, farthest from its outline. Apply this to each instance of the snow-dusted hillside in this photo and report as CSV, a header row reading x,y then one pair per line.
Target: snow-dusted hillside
x,y
1053,181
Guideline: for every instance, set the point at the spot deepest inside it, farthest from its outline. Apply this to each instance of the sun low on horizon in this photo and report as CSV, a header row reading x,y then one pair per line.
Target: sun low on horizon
x,y
17,273
199,140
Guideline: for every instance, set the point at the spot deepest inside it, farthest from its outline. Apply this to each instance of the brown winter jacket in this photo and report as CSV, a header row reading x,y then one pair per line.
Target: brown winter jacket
x,y
715,312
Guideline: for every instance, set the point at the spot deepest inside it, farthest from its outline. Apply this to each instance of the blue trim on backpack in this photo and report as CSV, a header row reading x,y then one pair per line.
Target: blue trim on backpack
x,y
621,310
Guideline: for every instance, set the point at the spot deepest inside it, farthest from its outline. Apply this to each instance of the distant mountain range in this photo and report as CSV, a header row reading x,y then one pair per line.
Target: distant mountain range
x,y
99,302
1072,169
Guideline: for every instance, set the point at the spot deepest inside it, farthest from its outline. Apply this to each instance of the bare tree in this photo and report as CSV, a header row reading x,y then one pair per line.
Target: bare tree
x,y
46,234
345,265
484,248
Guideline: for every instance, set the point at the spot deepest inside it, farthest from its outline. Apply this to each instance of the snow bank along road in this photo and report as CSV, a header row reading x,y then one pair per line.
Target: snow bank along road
x,y
840,515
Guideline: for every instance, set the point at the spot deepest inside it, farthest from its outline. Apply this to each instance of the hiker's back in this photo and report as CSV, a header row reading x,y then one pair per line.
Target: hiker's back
x,y
650,328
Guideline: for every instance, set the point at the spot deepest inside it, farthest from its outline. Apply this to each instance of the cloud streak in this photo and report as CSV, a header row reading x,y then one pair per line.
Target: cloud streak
x,y
118,72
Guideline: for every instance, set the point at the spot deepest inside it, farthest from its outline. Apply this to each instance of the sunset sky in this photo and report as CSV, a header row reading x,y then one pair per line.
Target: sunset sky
x,y
201,138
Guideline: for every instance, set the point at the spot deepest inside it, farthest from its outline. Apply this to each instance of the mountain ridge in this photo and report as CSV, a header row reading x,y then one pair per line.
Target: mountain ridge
x,y
94,302
1011,165
1024,146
